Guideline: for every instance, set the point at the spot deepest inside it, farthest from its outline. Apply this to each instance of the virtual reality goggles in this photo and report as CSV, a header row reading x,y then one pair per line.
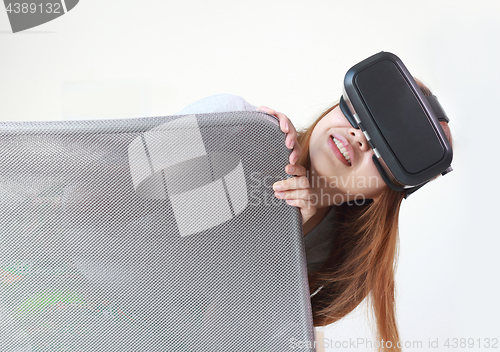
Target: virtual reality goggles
x,y
401,124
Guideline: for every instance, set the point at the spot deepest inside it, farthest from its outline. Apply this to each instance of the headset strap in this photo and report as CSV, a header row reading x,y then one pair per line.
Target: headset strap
x,y
409,191
438,109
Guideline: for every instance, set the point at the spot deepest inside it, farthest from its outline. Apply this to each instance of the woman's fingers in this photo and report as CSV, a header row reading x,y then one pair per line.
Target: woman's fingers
x,y
297,170
283,119
291,183
296,153
303,194
307,209
299,198
291,134
296,191
300,182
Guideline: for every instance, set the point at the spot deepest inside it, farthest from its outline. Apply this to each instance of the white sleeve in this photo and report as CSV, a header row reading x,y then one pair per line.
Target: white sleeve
x,y
218,103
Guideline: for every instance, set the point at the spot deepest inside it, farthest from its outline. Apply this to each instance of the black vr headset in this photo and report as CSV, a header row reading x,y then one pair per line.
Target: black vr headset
x,y
401,124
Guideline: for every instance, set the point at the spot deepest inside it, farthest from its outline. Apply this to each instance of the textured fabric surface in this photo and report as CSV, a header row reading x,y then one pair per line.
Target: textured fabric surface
x,y
150,234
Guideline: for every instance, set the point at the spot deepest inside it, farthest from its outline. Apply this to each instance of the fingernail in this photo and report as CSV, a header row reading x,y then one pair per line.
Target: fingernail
x,y
291,168
277,187
291,144
286,127
278,194
295,158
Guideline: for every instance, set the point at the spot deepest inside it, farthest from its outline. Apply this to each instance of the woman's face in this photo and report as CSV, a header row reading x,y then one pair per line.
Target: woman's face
x,y
354,179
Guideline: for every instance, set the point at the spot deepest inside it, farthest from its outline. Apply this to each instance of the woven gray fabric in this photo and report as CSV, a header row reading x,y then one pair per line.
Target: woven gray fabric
x,y
150,234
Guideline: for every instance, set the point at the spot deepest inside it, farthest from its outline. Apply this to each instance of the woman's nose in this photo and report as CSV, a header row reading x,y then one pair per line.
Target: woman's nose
x,y
359,140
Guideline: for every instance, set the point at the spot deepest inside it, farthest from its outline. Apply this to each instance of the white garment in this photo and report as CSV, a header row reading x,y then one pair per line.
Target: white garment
x,y
217,103
318,242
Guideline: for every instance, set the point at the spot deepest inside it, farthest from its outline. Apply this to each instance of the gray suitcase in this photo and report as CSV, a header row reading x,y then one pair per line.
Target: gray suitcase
x,y
149,234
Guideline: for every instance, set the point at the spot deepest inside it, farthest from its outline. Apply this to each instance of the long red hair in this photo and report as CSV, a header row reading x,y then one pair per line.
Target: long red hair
x,y
363,257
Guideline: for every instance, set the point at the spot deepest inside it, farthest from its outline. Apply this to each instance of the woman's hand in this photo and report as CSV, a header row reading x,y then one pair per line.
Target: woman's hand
x,y
296,189
291,135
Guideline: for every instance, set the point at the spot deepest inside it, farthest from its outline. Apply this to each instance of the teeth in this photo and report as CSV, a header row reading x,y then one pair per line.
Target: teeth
x,y
342,150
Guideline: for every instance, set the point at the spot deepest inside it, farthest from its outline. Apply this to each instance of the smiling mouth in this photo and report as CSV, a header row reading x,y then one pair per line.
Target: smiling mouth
x,y
342,150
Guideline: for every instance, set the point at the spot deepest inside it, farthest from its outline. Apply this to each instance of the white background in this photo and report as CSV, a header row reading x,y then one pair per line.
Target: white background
x,y
121,59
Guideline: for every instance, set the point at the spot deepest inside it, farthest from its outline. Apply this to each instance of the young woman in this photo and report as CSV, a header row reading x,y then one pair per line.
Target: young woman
x,y
349,215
